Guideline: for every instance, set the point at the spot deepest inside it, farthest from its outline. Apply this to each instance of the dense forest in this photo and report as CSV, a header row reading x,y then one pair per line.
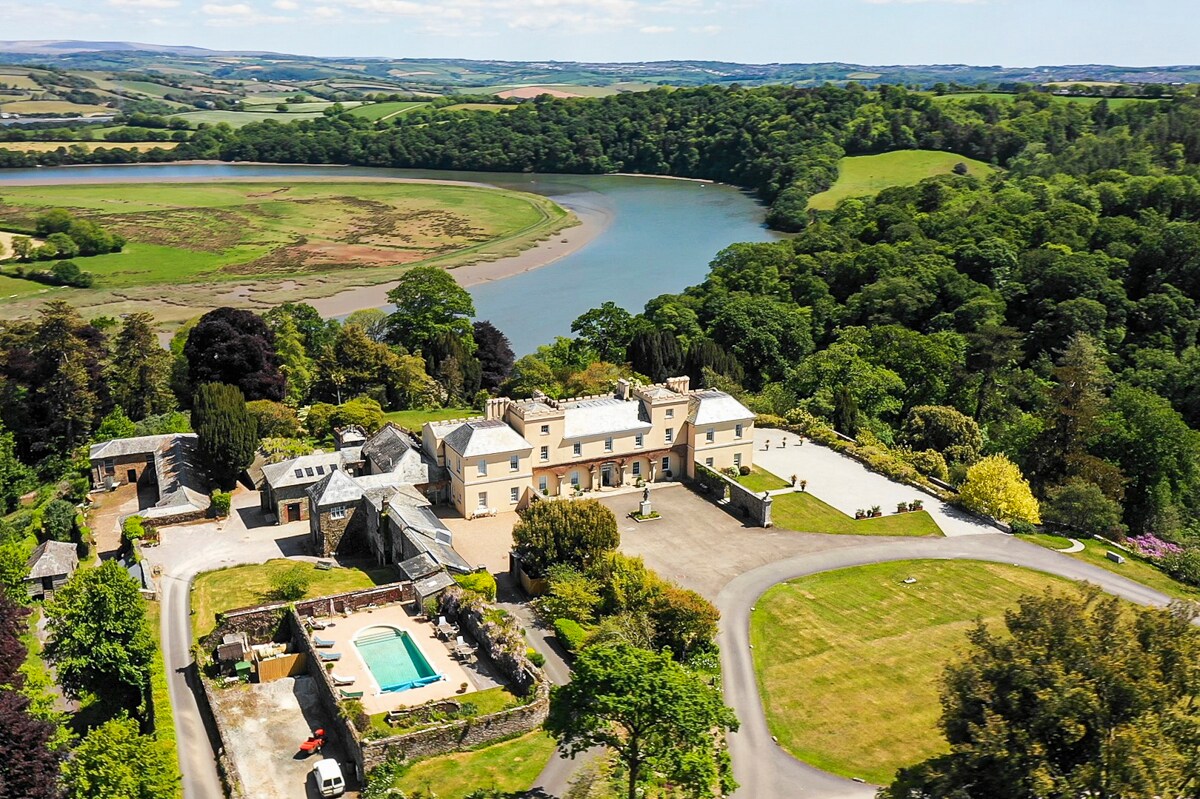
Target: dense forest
x,y
780,141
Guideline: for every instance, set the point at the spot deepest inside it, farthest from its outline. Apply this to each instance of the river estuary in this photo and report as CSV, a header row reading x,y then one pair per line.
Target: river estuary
x,y
658,234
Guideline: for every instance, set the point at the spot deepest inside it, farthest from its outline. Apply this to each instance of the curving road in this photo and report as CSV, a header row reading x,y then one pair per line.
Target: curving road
x,y
763,769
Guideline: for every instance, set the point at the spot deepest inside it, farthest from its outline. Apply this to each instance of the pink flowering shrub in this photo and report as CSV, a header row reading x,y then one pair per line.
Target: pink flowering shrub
x,y
1151,546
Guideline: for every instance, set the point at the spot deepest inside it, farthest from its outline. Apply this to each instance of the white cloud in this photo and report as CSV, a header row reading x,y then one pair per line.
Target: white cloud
x,y
286,5
232,10
707,30
652,29
144,3
325,12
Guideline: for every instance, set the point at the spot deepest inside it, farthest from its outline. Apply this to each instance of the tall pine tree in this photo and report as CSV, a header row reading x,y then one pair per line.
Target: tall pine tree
x,y
139,372
227,432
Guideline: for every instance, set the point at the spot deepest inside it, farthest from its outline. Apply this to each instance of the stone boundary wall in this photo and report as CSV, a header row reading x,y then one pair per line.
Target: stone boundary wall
x,y
258,621
463,734
748,504
230,778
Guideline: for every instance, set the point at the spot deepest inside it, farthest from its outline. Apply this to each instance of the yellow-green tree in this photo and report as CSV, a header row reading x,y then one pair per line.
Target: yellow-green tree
x,y
996,487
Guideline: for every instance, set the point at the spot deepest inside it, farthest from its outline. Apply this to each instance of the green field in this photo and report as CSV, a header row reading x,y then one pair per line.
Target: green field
x,y
360,231
238,118
1114,102
244,586
492,108
867,175
414,420
804,513
510,766
1135,567
848,661
377,111
35,107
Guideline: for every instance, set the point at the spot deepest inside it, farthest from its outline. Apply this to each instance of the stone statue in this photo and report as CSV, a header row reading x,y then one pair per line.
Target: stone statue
x,y
646,494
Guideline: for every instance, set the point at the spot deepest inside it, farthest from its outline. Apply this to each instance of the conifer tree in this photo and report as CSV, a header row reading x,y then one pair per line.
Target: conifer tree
x,y
227,432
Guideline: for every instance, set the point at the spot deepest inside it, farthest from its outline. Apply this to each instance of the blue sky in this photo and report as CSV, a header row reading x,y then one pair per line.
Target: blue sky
x,y
1007,32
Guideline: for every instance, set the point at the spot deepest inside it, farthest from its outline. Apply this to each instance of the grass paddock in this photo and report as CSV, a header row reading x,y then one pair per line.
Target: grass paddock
x,y
804,513
510,765
867,175
848,662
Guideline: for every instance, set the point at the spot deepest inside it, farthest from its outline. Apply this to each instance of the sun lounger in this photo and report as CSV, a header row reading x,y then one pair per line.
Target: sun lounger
x,y
323,643
315,624
329,657
337,680
350,694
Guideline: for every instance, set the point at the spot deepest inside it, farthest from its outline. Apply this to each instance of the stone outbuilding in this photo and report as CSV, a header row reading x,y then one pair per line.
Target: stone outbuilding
x,y
50,565
169,463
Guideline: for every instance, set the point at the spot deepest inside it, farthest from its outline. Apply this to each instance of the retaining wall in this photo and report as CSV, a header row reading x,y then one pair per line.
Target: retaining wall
x,y
737,499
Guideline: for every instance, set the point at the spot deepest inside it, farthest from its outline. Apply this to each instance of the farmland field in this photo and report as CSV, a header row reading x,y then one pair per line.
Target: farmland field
x,y
486,107
20,81
361,232
89,146
848,661
374,111
239,118
35,107
867,175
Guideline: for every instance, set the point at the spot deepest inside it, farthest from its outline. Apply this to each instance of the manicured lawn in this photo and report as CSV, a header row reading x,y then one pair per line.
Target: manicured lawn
x,y
415,419
486,702
760,479
205,232
243,586
374,111
805,513
1135,567
848,662
511,765
867,175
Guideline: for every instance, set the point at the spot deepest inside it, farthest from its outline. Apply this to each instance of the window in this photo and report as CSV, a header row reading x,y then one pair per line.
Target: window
x,y
737,431
110,465
481,469
708,462
637,468
710,435
299,472
543,485
544,454
320,470
670,413
545,429
577,449
514,494
482,499
666,463
575,480
332,468
670,434
514,463
608,445
737,459
308,471
639,441
337,512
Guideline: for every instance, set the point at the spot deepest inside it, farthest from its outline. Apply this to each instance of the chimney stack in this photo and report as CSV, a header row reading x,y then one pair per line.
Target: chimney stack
x,y
680,385
495,408
623,387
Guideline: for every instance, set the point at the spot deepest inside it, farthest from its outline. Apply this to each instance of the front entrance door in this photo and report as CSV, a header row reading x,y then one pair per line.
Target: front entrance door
x,y
131,476
293,512
606,475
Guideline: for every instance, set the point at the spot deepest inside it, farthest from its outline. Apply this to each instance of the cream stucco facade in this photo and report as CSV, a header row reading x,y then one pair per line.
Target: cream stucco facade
x,y
560,447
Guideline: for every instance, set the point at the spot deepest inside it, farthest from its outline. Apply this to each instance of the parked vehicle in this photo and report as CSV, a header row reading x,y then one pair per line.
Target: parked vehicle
x,y
328,775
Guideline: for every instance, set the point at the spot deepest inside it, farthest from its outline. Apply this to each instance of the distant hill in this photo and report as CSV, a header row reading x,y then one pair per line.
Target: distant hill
x,y
71,46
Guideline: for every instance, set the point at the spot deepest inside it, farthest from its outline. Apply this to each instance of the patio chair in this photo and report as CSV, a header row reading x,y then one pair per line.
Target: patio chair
x,y
350,694
323,643
339,680
329,657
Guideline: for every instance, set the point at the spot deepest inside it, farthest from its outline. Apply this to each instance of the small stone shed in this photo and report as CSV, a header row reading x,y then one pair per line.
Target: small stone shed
x,y
50,565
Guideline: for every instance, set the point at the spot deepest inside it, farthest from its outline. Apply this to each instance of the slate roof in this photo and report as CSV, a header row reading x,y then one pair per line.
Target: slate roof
x,y
311,468
426,532
181,482
123,447
338,488
387,448
588,418
51,559
711,406
486,437
419,566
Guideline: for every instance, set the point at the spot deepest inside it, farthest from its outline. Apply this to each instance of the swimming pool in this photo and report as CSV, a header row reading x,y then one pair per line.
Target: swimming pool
x,y
394,659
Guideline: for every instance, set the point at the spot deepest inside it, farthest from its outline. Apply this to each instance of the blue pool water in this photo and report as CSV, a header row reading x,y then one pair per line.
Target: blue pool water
x,y
394,659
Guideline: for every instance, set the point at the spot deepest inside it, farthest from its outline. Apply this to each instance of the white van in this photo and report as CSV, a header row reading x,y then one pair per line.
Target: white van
x,y
328,775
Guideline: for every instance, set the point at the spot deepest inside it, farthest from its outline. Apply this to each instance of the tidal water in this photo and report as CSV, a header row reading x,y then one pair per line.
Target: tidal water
x,y
661,235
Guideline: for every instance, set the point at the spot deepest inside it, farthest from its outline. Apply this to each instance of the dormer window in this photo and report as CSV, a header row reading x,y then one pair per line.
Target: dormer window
x,y
577,449
710,435
670,413
481,469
